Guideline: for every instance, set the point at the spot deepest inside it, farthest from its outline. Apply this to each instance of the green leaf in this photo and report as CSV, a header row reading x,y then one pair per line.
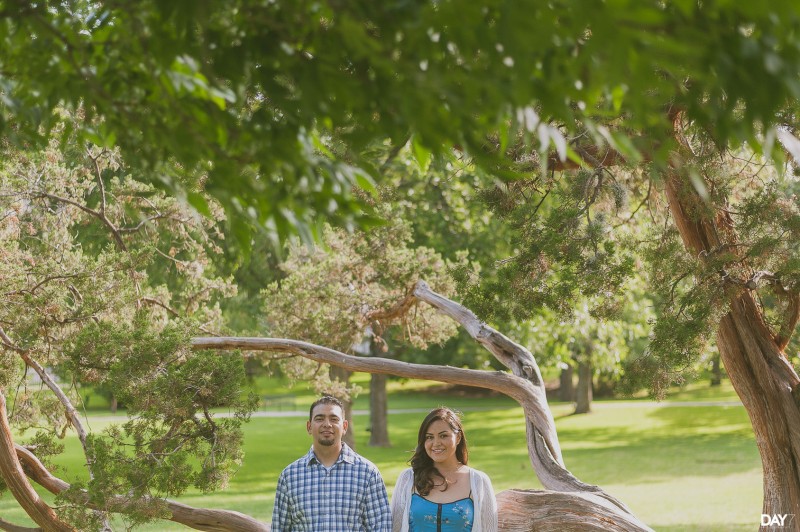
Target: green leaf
x,y
198,201
421,154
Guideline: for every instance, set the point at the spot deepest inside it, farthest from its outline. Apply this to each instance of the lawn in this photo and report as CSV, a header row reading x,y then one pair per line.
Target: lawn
x,y
679,465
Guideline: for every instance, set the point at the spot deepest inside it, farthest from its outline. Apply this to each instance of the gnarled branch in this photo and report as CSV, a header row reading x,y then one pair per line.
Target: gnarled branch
x,y
524,384
14,477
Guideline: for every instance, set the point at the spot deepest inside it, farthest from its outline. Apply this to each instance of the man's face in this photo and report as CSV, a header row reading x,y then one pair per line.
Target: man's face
x,y
327,425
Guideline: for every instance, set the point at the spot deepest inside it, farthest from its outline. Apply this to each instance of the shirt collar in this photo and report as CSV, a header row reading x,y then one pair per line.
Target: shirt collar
x,y
347,455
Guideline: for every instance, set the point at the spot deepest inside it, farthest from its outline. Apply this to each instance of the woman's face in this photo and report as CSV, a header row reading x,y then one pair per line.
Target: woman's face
x,y
441,442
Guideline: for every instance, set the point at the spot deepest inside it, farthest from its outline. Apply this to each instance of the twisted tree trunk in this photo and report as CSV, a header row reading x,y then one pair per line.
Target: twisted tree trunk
x,y
576,505
759,371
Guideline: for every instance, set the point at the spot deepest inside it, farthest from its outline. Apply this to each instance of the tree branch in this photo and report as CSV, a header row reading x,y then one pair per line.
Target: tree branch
x,y
10,527
100,216
197,518
72,413
14,477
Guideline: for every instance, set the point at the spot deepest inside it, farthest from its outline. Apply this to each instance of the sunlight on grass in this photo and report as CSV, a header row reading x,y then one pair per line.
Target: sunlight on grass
x,y
678,468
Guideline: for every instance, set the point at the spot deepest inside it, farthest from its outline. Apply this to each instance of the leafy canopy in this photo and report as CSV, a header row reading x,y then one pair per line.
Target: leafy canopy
x,y
248,93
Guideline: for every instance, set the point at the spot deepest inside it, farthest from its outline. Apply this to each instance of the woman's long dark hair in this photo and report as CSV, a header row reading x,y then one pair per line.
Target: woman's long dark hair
x,y
424,470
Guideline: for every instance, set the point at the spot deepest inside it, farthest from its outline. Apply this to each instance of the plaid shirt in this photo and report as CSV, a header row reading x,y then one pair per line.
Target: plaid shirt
x,y
347,497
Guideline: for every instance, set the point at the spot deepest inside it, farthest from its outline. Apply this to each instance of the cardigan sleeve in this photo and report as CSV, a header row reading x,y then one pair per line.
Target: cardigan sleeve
x,y
488,504
401,498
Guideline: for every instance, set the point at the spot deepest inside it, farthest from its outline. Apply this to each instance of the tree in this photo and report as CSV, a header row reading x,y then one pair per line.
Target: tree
x,y
590,344
722,260
341,290
104,280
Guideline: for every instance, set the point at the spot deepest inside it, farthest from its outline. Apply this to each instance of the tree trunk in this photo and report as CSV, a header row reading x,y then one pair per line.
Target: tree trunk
x,y
584,391
343,376
378,404
551,511
716,371
757,368
566,388
378,412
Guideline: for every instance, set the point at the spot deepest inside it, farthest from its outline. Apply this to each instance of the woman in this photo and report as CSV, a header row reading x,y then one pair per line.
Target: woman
x,y
440,493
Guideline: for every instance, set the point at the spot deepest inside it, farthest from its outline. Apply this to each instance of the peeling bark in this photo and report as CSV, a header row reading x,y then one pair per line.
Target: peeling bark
x,y
559,512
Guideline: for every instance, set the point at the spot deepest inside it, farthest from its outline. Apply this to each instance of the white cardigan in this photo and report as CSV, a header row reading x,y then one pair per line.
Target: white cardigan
x,y
482,494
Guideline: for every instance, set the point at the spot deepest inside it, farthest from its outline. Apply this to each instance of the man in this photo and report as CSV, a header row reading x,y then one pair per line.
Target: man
x,y
330,489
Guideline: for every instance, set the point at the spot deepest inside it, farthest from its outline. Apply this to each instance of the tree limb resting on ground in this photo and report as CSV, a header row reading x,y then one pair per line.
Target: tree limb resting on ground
x,y
524,384
197,518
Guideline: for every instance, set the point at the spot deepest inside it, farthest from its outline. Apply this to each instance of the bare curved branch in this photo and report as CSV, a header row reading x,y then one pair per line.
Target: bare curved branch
x,y
14,477
10,527
197,518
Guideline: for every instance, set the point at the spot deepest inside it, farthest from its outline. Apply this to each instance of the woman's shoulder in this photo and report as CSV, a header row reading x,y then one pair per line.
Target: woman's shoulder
x,y
406,475
480,475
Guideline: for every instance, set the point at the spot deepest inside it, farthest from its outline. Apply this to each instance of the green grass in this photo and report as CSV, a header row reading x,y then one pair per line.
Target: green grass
x,y
678,468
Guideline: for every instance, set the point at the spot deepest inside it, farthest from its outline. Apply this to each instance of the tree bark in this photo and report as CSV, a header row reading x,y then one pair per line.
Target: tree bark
x,y
584,391
757,368
11,527
566,388
548,511
378,412
378,405
17,482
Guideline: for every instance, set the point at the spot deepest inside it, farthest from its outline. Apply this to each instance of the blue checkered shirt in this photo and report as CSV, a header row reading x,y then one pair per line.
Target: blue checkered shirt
x,y
347,497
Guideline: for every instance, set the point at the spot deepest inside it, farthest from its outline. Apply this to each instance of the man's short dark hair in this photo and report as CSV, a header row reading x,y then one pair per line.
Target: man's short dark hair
x,y
325,400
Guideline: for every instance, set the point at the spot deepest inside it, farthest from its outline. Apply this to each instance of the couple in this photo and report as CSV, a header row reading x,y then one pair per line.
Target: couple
x,y
333,489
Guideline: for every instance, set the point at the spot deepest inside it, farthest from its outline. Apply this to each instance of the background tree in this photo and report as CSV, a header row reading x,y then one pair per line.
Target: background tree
x,y
104,280
594,347
337,295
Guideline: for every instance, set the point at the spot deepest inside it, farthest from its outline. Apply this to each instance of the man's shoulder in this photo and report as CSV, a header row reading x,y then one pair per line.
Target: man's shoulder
x,y
361,461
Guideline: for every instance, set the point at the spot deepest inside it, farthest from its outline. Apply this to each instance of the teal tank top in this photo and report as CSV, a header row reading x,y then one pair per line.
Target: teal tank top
x,y
428,516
